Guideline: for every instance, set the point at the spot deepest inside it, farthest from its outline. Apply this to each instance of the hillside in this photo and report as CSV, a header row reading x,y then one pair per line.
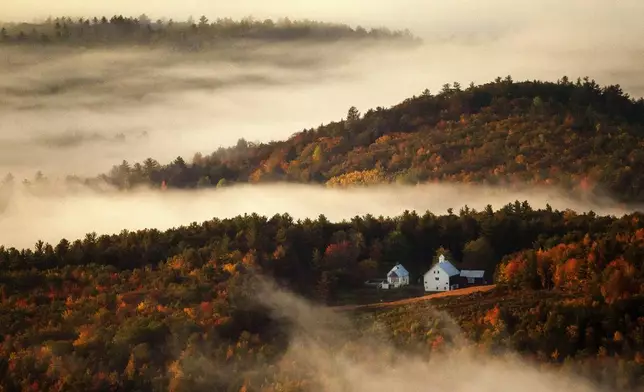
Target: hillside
x,y
575,135
557,331
184,310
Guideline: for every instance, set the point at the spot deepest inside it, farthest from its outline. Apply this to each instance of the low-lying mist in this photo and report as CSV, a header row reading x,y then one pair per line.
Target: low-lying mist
x,y
50,213
334,354
63,108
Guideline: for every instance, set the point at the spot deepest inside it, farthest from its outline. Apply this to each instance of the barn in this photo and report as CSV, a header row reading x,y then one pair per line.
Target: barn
x,y
443,276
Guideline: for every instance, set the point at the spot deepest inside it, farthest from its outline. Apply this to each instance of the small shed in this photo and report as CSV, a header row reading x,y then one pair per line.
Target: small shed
x,y
473,277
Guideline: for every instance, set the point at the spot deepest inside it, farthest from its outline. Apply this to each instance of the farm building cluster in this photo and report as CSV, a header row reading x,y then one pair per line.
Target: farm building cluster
x,y
442,276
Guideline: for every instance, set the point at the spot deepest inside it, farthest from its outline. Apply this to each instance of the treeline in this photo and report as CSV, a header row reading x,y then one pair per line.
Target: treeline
x,y
190,34
576,135
318,258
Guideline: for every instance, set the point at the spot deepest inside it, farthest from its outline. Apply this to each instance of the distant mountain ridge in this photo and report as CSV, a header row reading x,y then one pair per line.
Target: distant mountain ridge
x,y
191,34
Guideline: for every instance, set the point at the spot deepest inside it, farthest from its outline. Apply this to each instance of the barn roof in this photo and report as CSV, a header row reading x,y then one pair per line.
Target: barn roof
x,y
472,273
398,270
448,268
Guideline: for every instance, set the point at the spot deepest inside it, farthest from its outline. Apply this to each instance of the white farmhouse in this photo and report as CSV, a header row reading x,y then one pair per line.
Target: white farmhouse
x,y
443,276
397,277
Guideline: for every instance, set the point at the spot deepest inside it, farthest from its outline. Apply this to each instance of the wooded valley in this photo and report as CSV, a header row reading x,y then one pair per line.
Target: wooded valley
x,y
255,303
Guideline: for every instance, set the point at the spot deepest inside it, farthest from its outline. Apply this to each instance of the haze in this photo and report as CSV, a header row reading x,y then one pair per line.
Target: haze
x,y
56,213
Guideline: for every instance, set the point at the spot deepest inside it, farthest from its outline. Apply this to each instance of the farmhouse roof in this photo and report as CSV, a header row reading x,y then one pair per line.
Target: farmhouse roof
x,y
398,271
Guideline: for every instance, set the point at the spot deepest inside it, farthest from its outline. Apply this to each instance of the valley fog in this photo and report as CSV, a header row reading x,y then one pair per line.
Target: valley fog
x,y
80,111
336,354
54,213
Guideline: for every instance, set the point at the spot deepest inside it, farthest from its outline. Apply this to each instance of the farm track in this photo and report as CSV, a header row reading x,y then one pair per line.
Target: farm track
x,y
453,293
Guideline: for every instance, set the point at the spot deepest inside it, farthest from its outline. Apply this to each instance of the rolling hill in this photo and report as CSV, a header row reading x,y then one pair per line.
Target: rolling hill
x,y
574,135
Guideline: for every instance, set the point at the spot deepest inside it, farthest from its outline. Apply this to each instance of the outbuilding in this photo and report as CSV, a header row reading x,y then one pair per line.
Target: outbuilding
x,y
472,277
396,277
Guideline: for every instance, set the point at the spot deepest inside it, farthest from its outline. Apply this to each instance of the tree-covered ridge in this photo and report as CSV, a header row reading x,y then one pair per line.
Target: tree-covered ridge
x,y
200,34
306,254
174,310
576,135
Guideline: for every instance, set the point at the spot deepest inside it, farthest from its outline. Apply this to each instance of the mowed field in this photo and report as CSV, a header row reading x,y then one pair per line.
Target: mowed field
x,y
400,302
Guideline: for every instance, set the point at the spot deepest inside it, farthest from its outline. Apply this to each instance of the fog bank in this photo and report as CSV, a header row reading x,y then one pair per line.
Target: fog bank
x,y
62,213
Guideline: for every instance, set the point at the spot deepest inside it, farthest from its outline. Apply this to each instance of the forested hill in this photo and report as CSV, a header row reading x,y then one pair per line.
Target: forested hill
x,y
191,34
144,310
573,134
